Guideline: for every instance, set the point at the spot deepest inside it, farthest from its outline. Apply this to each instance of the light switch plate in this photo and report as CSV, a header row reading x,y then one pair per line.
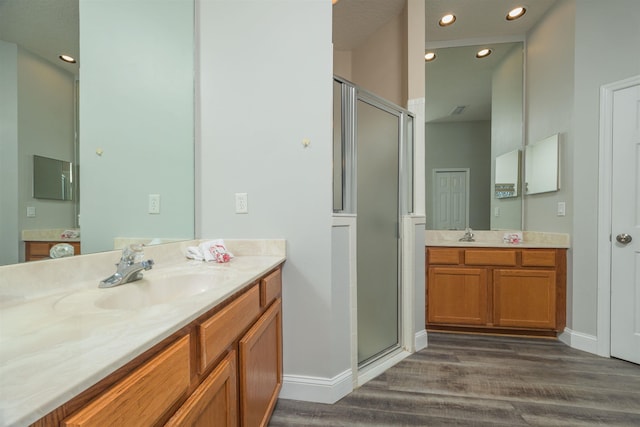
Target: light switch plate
x,y
562,209
31,211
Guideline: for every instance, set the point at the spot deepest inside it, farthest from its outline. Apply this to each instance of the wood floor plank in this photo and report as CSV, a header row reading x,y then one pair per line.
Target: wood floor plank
x,y
478,380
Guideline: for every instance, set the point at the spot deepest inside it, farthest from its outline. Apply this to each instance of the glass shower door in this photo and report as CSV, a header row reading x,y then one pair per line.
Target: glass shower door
x,y
377,207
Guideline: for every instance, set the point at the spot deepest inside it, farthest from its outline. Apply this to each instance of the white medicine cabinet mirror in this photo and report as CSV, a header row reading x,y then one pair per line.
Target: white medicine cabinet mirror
x,y
541,166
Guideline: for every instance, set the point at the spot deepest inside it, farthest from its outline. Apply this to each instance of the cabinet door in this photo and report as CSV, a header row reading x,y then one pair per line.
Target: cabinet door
x,y
524,298
142,398
261,367
457,296
215,402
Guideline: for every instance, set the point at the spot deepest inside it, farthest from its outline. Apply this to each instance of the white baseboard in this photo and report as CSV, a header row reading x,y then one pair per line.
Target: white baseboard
x,y
317,389
420,340
579,340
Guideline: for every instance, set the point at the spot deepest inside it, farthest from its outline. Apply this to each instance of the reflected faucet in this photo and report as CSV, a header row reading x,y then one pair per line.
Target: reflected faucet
x,y
130,267
468,236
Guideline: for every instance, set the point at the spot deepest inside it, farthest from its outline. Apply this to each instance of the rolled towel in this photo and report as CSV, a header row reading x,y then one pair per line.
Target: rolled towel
x,y
194,252
212,250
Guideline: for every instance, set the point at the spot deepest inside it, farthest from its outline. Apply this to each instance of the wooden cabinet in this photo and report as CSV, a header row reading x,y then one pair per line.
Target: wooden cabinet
x,y
215,401
40,250
224,369
461,295
261,367
516,291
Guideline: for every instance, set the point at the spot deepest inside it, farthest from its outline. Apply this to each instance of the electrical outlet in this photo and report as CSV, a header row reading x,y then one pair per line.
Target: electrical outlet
x,y
496,211
241,203
154,203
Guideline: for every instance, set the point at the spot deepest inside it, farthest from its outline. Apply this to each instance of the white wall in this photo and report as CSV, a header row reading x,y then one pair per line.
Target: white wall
x,y
506,132
266,84
612,30
549,95
579,46
461,145
137,106
9,229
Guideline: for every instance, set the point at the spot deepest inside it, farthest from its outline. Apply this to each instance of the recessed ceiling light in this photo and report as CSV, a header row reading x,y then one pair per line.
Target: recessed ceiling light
x,y
483,53
67,58
447,20
429,56
516,13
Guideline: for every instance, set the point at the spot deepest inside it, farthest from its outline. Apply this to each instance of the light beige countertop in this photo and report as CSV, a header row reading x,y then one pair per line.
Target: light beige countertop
x,y
494,239
60,333
47,235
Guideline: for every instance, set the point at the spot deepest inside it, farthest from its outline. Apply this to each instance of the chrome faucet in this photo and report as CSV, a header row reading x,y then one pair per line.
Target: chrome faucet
x,y
130,267
468,236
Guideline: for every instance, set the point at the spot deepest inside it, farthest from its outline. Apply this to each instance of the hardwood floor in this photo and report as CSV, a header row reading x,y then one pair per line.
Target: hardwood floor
x,y
477,380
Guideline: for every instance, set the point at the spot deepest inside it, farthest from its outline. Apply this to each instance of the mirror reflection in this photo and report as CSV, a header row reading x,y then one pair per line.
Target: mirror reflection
x,y
473,115
541,171
507,180
133,91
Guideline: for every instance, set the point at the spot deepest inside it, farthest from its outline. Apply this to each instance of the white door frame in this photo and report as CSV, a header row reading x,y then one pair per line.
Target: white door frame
x,y
604,212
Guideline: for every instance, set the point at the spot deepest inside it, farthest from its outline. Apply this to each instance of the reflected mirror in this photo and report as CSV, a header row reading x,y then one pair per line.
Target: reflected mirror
x,y
473,115
507,179
52,179
123,114
541,166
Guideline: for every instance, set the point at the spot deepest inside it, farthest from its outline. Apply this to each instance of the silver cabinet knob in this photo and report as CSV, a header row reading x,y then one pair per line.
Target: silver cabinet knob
x,y
623,238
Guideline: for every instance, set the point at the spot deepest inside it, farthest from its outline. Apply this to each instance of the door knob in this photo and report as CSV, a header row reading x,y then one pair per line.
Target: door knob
x,y
623,238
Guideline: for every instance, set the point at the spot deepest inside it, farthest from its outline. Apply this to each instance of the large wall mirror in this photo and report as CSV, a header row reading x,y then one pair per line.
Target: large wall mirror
x,y
124,113
474,115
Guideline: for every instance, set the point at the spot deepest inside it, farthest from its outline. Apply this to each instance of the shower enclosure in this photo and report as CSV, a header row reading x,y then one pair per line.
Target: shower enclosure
x,y
373,179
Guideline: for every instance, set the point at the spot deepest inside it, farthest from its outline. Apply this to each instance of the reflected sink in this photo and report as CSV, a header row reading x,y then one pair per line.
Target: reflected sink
x,y
158,290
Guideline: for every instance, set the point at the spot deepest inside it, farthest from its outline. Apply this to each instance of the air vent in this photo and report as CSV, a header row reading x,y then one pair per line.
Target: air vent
x,y
457,110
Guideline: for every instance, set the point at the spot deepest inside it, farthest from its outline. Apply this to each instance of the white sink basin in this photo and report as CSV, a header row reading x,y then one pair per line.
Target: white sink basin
x,y
157,290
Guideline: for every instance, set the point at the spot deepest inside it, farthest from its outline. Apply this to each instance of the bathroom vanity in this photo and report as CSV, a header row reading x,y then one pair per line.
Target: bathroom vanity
x,y
38,243
492,287
192,343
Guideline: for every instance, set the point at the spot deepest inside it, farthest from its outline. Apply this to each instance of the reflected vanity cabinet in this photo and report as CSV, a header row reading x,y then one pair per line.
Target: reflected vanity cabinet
x,y
499,290
222,370
35,250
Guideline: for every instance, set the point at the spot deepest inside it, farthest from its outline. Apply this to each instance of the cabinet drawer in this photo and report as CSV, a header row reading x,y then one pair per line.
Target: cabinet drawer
x,y
270,288
143,397
538,258
443,256
489,257
222,329
39,248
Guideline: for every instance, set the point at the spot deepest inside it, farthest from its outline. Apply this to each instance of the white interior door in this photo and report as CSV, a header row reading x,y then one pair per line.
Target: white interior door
x,y
450,200
625,226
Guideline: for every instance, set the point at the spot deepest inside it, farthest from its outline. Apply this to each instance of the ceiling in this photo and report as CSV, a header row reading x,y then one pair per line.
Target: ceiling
x,y
456,77
47,28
